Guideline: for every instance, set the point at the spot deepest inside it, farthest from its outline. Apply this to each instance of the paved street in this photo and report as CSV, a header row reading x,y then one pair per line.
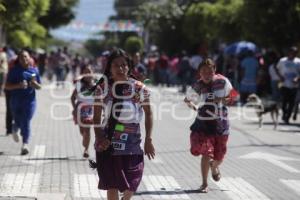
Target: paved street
x,y
260,164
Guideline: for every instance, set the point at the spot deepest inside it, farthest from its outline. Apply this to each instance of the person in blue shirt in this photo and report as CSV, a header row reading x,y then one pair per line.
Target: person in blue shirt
x,y
22,81
249,68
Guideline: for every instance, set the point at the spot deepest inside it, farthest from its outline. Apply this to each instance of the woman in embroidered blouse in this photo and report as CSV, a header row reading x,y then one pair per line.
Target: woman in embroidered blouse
x,y
120,160
83,105
210,129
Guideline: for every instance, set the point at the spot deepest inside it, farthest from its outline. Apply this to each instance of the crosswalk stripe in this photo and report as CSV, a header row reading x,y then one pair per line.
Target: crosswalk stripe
x,y
36,158
157,160
86,186
292,184
165,186
20,184
238,189
39,151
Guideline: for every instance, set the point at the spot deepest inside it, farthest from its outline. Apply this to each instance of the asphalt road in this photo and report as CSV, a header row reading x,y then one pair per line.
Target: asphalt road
x,y
260,163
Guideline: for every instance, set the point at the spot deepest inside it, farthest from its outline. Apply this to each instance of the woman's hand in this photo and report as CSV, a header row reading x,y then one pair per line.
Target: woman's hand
x,y
149,148
190,104
33,83
102,144
23,85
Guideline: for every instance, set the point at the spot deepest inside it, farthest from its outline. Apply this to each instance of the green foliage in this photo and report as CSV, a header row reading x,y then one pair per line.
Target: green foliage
x,y
272,23
162,21
20,38
134,44
60,13
26,22
125,9
269,23
211,21
2,8
95,47
20,22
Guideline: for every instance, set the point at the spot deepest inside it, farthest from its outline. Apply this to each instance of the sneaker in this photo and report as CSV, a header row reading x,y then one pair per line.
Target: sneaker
x,y
15,136
24,150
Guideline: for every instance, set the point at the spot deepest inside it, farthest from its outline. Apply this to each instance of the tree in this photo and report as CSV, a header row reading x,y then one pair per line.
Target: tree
x,y
60,13
215,21
162,21
2,33
272,23
207,21
26,22
20,22
134,44
2,8
125,9
95,47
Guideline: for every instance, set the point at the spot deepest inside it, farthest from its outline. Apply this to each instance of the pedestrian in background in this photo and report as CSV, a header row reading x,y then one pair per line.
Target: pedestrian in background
x,y
249,69
275,79
288,70
139,69
185,71
3,68
82,103
210,130
22,81
120,160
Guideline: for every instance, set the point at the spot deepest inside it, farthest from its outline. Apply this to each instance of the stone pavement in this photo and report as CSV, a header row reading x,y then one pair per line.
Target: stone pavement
x,y
260,164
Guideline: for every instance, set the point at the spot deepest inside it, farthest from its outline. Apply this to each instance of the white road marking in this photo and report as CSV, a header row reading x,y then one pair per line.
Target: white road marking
x,y
274,159
157,160
20,184
86,186
51,196
292,184
39,151
165,186
239,189
35,158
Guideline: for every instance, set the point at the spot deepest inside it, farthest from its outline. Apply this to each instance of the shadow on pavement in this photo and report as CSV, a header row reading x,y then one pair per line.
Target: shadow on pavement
x,y
59,158
49,158
173,192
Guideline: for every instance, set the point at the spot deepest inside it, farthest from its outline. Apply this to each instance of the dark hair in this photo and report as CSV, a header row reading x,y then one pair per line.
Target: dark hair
x,y
84,67
19,53
207,62
116,53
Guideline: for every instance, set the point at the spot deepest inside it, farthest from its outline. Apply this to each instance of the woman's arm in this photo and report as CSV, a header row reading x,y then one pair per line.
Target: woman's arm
x,y
14,86
73,98
190,104
35,84
101,142
97,117
148,146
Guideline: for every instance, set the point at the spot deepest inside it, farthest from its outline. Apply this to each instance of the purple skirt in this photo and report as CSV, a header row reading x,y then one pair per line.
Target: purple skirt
x,y
122,172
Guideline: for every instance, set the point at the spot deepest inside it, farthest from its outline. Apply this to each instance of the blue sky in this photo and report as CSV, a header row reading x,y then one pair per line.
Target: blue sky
x,y
88,12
